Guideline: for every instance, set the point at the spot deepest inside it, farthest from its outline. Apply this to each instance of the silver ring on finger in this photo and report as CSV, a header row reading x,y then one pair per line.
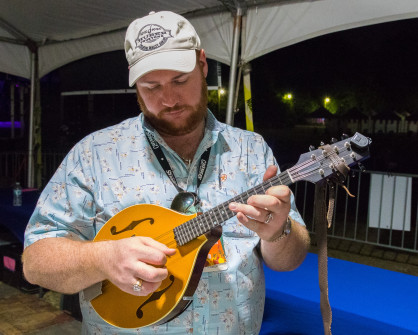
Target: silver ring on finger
x,y
137,287
269,217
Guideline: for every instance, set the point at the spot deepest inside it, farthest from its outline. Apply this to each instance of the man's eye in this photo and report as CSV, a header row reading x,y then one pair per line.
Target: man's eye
x,y
180,81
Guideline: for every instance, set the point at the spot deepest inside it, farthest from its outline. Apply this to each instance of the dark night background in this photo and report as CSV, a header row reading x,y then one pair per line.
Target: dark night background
x,y
364,70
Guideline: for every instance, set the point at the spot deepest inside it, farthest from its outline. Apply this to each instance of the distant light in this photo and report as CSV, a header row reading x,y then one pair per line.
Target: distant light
x,y
288,96
221,91
327,100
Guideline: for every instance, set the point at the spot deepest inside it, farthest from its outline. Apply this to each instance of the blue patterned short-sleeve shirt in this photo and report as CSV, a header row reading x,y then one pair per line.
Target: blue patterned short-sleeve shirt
x,y
114,168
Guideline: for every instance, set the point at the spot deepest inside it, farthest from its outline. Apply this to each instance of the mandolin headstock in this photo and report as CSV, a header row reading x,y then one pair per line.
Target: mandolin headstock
x,y
331,160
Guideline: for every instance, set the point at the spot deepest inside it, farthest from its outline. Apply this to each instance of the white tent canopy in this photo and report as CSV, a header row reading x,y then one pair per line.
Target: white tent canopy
x,y
58,32
64,31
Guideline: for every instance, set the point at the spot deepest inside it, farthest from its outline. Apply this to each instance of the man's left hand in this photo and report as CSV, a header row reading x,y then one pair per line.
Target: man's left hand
x,y
265,214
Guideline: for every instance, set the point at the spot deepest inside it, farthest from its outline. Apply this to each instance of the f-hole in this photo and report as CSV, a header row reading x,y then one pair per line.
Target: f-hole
x,y
155,296
131,226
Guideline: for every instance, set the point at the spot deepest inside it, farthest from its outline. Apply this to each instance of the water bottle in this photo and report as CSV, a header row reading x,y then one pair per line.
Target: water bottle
x,y
17,195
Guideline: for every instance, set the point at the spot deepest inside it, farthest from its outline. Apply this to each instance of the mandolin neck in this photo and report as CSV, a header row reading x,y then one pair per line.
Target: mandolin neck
x,y
203,223
328,161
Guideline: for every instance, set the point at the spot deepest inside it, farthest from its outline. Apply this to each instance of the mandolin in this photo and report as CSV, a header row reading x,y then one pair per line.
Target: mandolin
x,y
194,235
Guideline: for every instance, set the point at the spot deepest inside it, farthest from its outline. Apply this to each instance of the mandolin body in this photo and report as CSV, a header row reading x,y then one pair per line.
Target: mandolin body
x,y
124,310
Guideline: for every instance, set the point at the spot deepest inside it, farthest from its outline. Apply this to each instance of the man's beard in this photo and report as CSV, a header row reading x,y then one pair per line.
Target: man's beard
x,y
199,112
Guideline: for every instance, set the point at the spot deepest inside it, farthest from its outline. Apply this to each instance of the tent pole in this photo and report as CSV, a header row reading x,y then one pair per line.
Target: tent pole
x,y
236,94
246,70
233,71
31,112
248,97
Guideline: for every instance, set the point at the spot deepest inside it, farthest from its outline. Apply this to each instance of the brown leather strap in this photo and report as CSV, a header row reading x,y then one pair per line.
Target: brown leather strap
x,y
323,221
331,203
321,235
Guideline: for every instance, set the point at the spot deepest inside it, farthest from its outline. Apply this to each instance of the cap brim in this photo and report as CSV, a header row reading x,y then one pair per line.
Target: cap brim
x,y
175,60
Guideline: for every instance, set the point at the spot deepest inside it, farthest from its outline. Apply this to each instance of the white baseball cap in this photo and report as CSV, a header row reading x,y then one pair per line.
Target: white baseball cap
x,y
160,41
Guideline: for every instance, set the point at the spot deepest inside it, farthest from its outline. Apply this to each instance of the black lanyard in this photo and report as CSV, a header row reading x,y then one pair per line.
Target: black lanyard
x,y
166,166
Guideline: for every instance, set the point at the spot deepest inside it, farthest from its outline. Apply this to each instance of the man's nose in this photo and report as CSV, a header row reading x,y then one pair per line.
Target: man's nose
x,y
170,96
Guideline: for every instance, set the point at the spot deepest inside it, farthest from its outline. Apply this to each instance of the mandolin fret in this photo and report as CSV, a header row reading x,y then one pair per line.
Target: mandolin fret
x,y
193,230
202,223
199,225
187,234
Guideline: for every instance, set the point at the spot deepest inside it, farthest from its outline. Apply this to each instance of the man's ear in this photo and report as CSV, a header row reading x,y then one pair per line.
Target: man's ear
x,y
203,63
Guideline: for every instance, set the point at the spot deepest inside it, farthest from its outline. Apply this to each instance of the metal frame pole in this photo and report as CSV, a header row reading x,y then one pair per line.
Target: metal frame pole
x,y
246,80
32,109
233,71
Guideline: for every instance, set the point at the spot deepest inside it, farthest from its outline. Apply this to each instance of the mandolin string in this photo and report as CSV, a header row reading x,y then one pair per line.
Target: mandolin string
x,y
296,167
305,164
304,175
307,173
166,235
300,167
169,236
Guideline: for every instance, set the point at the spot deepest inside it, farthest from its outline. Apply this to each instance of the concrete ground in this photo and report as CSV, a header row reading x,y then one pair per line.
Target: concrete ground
x,y
24,313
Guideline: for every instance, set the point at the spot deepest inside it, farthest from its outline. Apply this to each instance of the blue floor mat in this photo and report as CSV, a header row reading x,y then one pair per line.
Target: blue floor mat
x,y
364,300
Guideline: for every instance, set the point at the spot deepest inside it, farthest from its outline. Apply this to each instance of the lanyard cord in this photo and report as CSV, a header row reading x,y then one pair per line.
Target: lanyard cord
x,y
156,148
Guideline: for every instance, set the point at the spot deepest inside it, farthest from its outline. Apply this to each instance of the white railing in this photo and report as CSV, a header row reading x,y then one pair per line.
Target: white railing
x,y
383,212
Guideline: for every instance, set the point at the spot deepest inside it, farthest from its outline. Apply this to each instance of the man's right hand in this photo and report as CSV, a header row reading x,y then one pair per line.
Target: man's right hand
x,y
136,258
67,266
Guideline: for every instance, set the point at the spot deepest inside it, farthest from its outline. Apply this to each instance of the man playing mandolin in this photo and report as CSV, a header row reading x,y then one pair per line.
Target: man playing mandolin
x,y
102,226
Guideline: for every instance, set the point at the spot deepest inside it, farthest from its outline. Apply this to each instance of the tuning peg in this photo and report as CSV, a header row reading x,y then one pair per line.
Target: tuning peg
x,y
311,148
344,136
321,143
334,140
361,167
